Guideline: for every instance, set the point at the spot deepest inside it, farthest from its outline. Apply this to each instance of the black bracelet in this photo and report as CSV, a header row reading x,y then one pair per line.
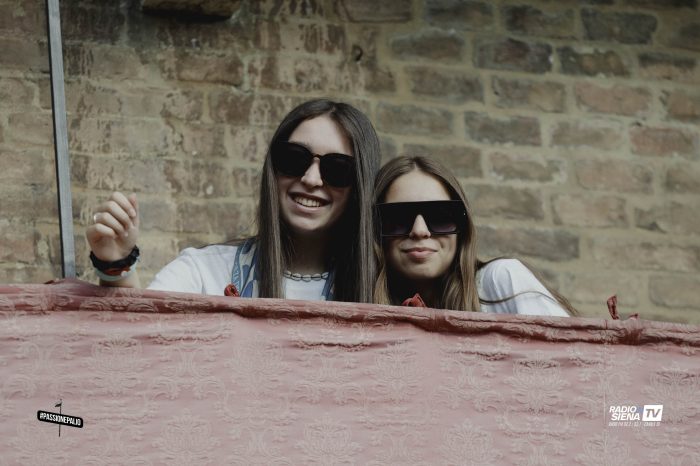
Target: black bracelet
x,y
128,261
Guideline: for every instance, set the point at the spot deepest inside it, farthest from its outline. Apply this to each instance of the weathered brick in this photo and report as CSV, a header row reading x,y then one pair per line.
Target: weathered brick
x,y
26,19
18,243
295,74
662,142
34,273
543,96
517,130
629,254
411,119
245,182
317,38
85,99
464,162
584,134
227,106
31,128
398,11
268,110
17,93
531,21
683,178
133,136
30,202
597,287
197,9
513,55
377,78
119,173
526,168
159,214
664,66
196,66
103,61
591,62
100,24
26,166
201,140
626,28
681,105
619,176
687,37
505,202
670,217
24,55
551,244
585,211
433,44
618,100
460,14
662,4
230,218
452,86
198,179
281,10
248,144
676,291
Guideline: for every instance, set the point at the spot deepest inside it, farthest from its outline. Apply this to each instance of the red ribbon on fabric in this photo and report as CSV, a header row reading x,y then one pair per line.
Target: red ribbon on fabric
x,y
231,290
415,301
612,309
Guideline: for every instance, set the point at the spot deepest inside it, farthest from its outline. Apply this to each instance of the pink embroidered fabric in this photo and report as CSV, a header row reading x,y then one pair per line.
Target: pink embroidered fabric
x,y
183,379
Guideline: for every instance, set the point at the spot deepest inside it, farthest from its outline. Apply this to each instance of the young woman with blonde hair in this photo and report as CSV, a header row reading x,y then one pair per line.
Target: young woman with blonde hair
x,y
426,248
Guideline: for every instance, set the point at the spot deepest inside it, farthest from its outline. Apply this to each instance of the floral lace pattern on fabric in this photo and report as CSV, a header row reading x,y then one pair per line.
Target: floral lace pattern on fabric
x,y
171,378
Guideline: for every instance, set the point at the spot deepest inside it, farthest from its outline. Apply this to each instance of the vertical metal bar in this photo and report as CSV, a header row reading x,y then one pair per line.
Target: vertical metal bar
x,y
60,133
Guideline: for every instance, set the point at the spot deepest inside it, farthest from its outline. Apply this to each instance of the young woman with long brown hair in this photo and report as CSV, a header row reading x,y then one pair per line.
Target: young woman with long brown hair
x,y
314,215
426,246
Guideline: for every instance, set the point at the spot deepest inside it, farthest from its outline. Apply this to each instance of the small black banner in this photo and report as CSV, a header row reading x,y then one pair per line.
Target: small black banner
x,y
62,419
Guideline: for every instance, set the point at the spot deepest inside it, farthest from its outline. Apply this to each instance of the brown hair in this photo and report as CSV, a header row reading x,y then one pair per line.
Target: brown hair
x,y
459,283
351,249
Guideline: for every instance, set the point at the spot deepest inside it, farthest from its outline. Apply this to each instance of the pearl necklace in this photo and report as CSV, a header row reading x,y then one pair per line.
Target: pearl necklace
x,y
297,277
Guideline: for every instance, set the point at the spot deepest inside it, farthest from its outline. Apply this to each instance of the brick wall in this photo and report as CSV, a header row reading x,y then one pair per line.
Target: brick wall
x,y
573,125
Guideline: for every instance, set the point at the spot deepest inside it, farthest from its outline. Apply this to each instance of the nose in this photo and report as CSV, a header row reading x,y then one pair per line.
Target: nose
x,y
420,228
312,176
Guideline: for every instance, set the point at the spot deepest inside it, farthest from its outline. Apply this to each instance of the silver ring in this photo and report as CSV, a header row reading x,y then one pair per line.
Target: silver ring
x,y
94,218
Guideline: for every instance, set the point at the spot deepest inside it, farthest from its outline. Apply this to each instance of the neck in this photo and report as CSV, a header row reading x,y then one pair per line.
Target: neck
x,y
310,254
428,291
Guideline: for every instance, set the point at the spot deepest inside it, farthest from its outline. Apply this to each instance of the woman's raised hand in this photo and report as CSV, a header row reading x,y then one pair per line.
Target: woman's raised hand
x,y
115,227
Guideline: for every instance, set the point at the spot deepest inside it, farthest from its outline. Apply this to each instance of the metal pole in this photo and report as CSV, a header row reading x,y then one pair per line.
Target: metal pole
x,y
60,134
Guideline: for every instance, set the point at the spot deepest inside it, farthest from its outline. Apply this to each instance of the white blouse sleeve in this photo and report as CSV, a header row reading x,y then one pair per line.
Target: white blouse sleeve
x,y
182,274
504,278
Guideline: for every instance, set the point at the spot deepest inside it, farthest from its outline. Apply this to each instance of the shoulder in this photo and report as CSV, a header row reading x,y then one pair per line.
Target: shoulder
x,y
506,277
504,269
211,251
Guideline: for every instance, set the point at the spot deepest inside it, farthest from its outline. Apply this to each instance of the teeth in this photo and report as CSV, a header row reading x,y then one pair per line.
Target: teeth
x,y
306,202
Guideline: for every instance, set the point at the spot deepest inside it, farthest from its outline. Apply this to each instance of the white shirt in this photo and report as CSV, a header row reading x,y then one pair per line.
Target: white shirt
x,y
504,278
207,271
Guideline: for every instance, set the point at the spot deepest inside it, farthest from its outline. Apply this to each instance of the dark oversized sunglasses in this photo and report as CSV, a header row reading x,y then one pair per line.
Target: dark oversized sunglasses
x,y
291,159
441,217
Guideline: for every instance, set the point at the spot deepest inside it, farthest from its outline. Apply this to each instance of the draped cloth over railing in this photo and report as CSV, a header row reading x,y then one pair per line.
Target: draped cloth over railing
x,y
186,379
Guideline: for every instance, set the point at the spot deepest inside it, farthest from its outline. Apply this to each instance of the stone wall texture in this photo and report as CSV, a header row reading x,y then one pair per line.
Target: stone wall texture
x,y
574,126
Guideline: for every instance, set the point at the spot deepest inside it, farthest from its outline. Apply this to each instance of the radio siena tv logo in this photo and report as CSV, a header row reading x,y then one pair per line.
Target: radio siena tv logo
x,y
635,416
60,418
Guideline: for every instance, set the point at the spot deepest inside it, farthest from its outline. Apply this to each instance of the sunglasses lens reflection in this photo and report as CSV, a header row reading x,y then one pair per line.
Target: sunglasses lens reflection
x,y
294,160
441,217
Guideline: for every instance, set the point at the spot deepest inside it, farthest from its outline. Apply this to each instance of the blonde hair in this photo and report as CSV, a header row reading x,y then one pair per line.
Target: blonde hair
x,y
459,282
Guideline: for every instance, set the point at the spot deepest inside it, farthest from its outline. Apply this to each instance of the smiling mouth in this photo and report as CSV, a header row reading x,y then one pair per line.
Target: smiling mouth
x,y
307,201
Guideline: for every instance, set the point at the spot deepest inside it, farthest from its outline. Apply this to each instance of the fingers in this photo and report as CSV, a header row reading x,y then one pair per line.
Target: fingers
x,y
119,214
